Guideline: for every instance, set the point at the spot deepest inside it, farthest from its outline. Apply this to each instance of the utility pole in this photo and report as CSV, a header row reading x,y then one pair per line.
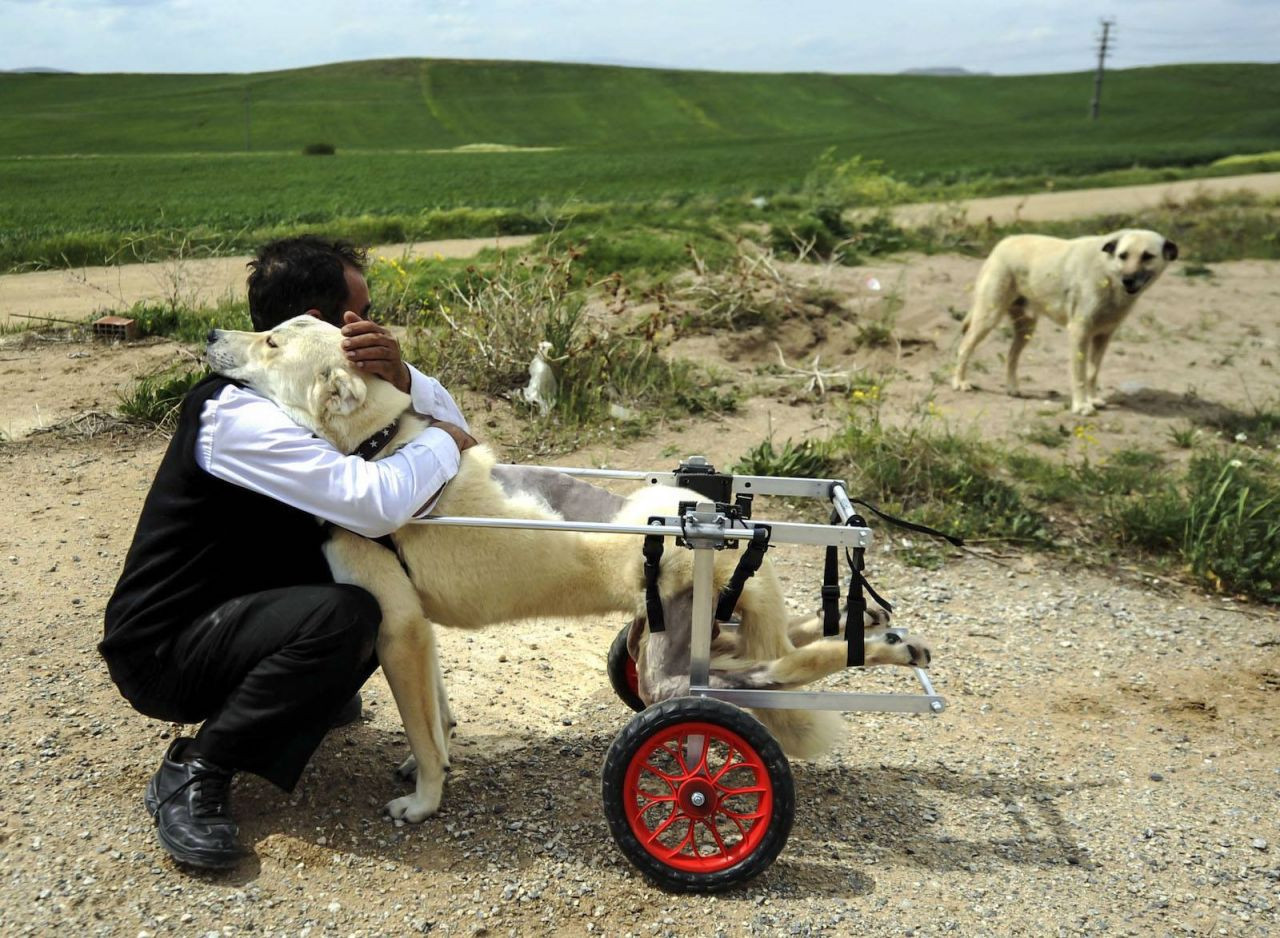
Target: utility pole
x,y
1103,48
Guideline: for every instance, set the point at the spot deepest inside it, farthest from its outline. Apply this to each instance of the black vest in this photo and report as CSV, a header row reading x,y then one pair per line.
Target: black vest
x,y
200,541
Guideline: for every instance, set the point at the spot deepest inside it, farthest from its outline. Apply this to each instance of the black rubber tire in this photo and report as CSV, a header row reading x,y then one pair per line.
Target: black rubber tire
x,y
758,849
622,671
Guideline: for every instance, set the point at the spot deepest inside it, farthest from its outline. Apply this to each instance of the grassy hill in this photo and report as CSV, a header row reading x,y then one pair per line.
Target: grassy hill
x,y
122,155
917,122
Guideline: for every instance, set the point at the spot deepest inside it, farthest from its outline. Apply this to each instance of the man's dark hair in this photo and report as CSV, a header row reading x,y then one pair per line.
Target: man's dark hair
x,y
293,275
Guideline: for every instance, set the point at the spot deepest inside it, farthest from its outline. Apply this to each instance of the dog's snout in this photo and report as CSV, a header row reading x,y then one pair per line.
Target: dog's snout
x,y
211,336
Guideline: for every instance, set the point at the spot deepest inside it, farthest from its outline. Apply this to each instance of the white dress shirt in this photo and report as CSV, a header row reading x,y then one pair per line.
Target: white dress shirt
x,y
246,439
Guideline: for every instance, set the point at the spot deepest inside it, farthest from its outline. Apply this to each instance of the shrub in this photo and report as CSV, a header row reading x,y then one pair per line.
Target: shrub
x,y
154,400
319,149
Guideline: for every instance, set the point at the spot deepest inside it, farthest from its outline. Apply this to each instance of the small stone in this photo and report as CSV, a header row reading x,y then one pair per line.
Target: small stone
x,y
1156,777
1258,844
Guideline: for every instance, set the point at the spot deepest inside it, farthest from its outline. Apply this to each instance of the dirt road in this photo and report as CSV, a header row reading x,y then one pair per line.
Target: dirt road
x,y
76,294
1080,203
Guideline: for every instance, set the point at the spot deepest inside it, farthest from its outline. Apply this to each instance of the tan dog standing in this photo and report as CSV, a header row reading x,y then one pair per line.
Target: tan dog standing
x,y
1086,284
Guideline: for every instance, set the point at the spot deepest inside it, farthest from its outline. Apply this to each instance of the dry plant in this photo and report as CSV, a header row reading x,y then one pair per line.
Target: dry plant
x,y
749,291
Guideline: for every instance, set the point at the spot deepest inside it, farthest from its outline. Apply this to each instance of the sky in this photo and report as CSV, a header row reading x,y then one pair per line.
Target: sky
x,y
844,36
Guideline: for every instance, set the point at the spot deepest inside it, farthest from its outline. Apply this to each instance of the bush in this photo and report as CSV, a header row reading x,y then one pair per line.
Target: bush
x,y
319,149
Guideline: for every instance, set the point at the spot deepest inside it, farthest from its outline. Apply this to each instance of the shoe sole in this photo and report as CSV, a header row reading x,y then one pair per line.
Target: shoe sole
x,y
179,853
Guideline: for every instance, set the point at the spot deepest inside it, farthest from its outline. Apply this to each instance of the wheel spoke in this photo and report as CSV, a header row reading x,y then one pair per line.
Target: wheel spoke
x,y
749,790
662,828
716,834
728,763
671,780
679,848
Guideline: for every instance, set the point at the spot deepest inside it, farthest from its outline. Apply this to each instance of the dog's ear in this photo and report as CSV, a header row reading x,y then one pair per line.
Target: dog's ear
x,y
1170,250
338,391
1110,247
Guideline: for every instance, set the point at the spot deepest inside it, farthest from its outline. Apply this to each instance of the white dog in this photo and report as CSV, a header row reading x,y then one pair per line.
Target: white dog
x,y
468,577
1085,284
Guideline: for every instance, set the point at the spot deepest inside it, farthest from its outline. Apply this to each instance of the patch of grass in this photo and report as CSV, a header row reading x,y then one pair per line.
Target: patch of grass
x,y
1051,437
1222,521
188,325
154,399
808,459
482,329
1258,427
937,477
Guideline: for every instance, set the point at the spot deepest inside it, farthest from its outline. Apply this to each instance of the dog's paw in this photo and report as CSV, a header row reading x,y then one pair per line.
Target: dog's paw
x,y
1098,402
408,769
1084,409
892,648
958,384
417,807
874,617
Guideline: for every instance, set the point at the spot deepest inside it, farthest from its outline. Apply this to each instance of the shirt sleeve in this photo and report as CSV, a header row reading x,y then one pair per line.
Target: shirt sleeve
x,y
245,439
431,398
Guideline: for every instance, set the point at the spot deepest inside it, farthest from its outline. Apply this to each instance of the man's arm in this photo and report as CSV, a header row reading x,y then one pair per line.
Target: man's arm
x,y
245,439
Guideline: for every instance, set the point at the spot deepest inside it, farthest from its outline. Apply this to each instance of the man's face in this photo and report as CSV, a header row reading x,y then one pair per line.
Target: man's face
x,y
357,295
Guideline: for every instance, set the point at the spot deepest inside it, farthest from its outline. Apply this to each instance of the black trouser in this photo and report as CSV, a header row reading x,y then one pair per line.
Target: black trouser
x,y
266,673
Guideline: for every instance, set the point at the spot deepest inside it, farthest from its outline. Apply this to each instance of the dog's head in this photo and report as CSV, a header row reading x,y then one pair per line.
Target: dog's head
x,y
1136,257
300,366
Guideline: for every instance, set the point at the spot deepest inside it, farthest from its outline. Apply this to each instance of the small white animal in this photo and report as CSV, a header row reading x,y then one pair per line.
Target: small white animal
x,y
1086,284
541,389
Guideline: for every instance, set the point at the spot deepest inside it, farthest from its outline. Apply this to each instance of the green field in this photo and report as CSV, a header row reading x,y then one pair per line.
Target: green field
x,y
88,161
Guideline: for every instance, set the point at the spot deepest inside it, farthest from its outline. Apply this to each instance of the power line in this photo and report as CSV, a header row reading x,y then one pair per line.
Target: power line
x,y
1096,103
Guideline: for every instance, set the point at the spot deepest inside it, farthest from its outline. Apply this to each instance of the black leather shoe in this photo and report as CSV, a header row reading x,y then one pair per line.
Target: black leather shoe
x,y
350,713
189,801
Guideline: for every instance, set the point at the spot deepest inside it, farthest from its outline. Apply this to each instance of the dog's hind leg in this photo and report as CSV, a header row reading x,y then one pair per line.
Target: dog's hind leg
x,y
992,296
1024,326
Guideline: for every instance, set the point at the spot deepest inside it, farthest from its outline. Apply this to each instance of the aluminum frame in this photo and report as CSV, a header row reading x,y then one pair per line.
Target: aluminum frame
x,y
705,530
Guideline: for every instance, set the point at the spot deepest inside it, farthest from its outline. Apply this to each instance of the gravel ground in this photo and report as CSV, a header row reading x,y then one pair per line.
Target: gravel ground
x,y
1107,764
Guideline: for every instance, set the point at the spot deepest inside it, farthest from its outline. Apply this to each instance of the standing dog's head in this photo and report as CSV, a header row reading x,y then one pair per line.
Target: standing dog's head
x,y
300,366
1136,257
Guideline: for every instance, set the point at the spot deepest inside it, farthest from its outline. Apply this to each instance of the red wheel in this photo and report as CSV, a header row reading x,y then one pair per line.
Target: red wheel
x,y
698,795
622,672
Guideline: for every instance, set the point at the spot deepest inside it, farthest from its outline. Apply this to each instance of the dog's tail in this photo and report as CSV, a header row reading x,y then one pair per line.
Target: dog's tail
x,y
802,734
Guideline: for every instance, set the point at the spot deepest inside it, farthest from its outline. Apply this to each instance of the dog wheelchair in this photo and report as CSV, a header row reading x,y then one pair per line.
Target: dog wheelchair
x,y
697,793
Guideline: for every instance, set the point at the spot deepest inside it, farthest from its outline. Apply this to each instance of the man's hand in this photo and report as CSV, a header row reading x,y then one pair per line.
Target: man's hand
x,y
374,350
461,437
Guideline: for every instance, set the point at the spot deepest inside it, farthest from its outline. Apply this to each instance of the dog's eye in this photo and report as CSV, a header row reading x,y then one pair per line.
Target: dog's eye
x,y
891,638
271,341
1146,256
1124,255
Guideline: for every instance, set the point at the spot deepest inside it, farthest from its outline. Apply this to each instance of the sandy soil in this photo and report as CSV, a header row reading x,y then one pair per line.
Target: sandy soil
x,y
1107,763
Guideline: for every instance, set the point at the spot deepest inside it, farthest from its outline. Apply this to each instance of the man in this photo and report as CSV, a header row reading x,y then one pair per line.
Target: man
x,y
226,614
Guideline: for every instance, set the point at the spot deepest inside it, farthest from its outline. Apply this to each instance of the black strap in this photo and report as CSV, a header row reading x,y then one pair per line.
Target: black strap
x,y
748,564
831,594
856,605
653,544
953,539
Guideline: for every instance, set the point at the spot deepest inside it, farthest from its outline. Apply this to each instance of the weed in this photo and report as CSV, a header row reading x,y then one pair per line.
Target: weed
x,y
1051,437
154,399
1184,437
483,329
808,459
1197,270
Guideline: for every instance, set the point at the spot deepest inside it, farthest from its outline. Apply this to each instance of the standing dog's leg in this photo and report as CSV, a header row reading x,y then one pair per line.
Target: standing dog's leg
x,y
407,654
1078,346
992,297
1023,328
1097,348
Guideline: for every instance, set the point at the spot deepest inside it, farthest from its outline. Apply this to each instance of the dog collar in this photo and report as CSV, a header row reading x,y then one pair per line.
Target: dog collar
x,y
378,442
